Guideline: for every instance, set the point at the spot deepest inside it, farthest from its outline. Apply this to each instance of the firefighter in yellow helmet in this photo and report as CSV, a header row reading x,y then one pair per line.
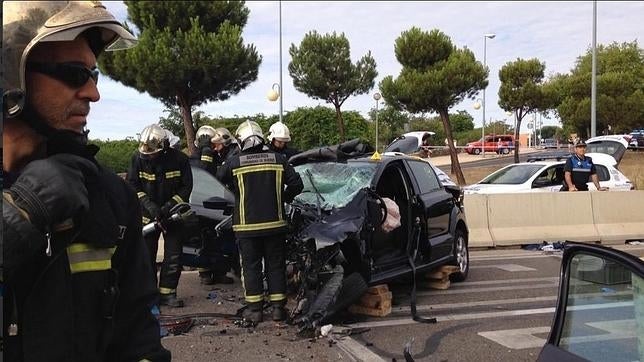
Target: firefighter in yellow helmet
x,y
77,282
162,178
262,181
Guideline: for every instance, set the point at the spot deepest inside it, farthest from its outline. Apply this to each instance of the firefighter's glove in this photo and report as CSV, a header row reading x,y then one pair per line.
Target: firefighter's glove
x,y
165,209
152,208
53,189
203,142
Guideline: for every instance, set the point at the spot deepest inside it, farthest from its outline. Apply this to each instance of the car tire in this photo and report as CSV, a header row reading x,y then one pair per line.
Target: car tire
x,y
476,151
505,151
353,287
461,256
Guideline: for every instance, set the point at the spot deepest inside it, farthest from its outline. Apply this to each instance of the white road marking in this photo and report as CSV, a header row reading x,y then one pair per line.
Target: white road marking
x,y
517,338
513,256
506,267
523,338
480,290
357,351
508,281
488,315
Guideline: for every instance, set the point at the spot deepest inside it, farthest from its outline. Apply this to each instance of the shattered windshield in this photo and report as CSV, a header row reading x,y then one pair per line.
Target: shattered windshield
x,y
404,144
337,183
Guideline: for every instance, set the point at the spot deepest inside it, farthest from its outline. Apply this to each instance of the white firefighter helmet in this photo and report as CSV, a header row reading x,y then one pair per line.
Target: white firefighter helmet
x,y
153,139
223,136
205,132
280,132
25,24
249,134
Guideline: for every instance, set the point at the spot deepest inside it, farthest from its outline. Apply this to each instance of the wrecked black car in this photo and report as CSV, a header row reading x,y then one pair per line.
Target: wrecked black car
x,y
364,220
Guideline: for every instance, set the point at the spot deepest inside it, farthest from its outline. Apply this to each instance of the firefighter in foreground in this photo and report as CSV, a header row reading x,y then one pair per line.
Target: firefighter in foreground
x,y
162,179
77,281
262,182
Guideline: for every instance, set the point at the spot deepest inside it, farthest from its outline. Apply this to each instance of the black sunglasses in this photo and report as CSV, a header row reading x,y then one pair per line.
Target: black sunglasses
x,y
73,74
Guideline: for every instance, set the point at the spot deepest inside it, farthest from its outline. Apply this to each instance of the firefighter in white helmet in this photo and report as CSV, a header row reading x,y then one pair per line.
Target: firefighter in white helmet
x,y
77,285
205,156
162,178
279,136
262,181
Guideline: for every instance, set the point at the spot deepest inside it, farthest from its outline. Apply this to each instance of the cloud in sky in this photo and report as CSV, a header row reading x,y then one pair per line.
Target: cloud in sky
x,y
554,32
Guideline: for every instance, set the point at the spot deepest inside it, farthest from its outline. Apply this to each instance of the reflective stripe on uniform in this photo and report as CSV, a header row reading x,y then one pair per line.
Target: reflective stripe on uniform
x,y
581,169
86,257
276,297
140,194
254,298
206,158
172,174
239,172
177,198
147,176
145,220
260,226
166,290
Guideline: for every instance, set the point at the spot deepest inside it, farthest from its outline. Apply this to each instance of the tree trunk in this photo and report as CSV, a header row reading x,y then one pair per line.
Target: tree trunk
x,y
338,115
456,166
186,112
516,140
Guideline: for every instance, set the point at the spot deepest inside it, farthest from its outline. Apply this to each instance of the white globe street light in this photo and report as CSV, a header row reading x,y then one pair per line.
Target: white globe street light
x,y
477,106
274,93
377,97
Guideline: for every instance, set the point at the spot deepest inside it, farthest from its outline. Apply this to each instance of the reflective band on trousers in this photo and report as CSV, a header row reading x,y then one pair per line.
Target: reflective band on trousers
x,y
276,297
167,290
254,298
86,258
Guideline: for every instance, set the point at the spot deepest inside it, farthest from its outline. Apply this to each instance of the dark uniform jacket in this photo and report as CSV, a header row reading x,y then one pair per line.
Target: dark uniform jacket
x,y
90,299
580,171
285,151
166,179
205,160
262,181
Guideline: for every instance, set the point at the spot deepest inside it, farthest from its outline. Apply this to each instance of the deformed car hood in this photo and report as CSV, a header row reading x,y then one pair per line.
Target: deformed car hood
x,y
339,224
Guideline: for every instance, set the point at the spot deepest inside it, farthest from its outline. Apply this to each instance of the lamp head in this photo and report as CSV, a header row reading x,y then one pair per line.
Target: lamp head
x,y
377,96
490,35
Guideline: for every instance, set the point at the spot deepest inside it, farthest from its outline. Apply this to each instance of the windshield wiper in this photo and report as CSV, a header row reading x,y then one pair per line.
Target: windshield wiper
x,y
317,193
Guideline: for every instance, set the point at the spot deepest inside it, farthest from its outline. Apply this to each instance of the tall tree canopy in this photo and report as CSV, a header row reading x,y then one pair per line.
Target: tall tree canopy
x,y
620,90
522,91
189,53
321,68
436,75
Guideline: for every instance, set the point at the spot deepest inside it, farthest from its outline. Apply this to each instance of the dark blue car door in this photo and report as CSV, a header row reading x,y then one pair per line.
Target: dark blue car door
x,y
436,204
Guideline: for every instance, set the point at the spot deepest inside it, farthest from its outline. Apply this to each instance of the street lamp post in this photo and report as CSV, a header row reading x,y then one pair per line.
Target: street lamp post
x,y
477,106
485,38
280,85
377,97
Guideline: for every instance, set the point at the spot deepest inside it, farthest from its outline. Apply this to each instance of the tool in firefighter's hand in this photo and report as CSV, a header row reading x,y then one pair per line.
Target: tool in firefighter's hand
x,y
178,212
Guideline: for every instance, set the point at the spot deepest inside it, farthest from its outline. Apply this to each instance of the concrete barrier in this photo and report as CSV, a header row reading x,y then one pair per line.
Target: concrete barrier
x,y
527,218
618,216
476,212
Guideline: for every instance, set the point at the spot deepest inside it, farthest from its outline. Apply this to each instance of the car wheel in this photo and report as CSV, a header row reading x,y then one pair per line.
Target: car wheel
x,y
353,287
461,256
477,151
505,151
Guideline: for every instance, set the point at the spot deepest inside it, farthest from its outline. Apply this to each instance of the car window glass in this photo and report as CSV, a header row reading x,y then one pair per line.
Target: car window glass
x,y
425,175
408,144
205,186
512,175
605,311
337,183
602,173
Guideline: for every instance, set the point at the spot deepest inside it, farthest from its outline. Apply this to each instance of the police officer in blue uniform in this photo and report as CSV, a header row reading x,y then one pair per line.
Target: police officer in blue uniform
x,y
578,169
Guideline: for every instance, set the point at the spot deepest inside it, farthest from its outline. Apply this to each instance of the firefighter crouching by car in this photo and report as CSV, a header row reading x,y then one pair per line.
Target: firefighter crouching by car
x,y
213,146
279,136
262,181
77,284
162,178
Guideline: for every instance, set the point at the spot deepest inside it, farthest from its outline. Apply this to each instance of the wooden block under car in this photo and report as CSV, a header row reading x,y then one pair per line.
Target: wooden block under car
x,y
376,302
439,277
378,289
374,312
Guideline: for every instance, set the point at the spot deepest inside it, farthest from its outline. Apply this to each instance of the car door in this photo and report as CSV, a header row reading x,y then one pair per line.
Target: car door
x,y
435,206
549,179
600,308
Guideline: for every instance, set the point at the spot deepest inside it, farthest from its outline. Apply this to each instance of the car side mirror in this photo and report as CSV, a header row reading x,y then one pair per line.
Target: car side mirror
x,y
219,203
600,308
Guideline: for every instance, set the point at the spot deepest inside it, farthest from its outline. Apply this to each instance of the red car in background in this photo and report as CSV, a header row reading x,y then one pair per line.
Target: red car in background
x,y
502,144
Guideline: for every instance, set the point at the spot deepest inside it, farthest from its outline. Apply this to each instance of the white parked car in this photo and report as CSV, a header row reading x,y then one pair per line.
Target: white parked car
x,y
547,175
409,142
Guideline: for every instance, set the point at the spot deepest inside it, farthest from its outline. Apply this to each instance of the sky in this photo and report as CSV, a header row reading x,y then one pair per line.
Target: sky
x,y
553,32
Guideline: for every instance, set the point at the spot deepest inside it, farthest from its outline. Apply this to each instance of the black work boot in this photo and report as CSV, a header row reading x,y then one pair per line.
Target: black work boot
x,y
254,312
279,312
170,300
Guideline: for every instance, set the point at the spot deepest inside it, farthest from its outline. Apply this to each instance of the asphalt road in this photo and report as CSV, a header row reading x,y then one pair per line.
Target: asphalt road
x,y
502,312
